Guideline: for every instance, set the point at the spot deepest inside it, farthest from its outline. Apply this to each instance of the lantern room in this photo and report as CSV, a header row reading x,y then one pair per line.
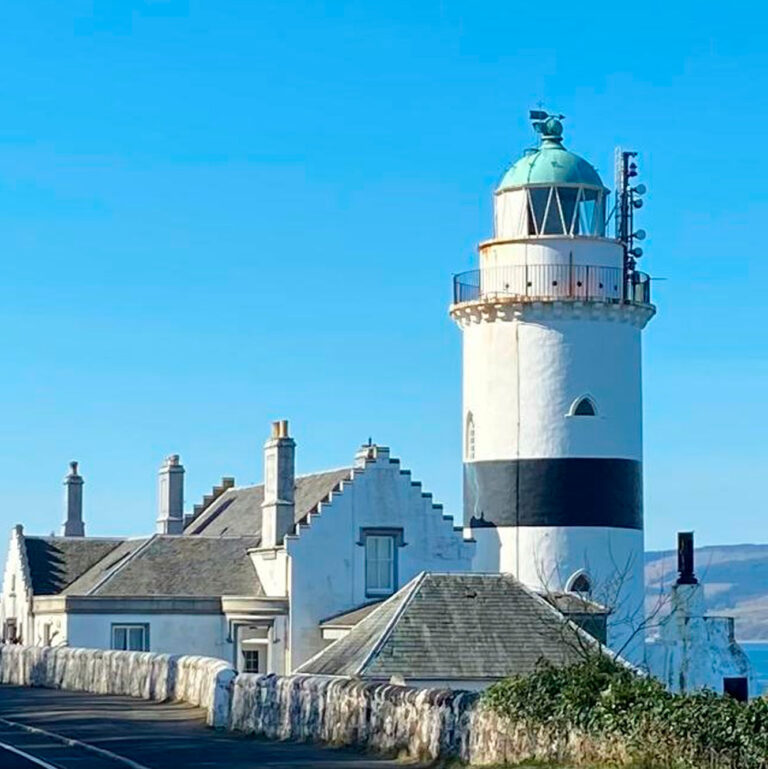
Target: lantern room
x,y
550,192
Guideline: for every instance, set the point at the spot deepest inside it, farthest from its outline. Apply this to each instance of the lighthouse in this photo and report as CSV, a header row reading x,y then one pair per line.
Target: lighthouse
x,y
551,327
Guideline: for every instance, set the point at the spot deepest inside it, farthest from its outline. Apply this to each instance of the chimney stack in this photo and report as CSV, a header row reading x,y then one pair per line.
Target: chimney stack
x,y
170,496
73,504
277,510
685,559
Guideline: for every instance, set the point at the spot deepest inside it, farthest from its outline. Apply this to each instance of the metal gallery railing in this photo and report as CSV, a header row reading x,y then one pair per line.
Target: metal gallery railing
x,y
551,282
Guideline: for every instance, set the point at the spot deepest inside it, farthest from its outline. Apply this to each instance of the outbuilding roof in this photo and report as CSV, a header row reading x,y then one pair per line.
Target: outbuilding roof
x,y
452,627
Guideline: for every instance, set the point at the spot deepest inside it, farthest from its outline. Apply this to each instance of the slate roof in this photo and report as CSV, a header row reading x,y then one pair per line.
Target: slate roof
x,y
237,511
572,603
103,568
55,562
350,618
453,627
176,566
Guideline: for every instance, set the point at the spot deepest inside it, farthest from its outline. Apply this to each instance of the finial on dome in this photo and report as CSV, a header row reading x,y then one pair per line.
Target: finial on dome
x,y
549,126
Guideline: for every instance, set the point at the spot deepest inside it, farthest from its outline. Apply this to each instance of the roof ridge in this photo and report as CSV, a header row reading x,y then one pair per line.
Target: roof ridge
x,y
384,636
120,564
345,468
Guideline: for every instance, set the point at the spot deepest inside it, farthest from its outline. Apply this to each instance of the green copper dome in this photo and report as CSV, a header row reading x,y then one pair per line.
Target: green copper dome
x,y
551,163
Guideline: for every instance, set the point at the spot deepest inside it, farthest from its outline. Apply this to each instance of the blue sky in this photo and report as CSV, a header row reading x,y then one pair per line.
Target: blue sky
x,y
217,214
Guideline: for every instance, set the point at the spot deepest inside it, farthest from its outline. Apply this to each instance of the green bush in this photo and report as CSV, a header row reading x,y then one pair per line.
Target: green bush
x,y
605,700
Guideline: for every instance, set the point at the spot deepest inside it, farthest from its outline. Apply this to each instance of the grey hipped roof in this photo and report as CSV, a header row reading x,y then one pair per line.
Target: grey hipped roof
x,y
55,562
453,627
175,566
103,568
238,511
350,618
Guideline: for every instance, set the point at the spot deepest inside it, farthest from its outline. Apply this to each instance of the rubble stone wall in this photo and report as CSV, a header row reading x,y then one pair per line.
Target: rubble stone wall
x,y
201,681
419,724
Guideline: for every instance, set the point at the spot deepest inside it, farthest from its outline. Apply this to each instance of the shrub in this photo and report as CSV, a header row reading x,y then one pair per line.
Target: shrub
x,y
607,701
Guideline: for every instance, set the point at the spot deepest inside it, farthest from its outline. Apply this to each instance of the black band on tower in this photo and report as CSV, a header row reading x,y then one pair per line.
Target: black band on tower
x,y
554,492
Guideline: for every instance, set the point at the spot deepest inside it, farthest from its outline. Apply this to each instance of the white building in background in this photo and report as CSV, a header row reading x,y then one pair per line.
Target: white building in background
x,y
269,576
687,649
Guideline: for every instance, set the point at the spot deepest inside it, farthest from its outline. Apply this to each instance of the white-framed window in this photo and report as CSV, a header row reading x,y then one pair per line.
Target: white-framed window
x,y
130,637
379,564
250,661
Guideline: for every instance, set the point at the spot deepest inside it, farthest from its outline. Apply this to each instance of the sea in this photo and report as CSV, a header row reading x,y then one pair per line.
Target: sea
x,y
758,654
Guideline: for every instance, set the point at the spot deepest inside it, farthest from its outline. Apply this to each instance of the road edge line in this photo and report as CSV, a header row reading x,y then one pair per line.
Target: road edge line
x,y
74,744
28,756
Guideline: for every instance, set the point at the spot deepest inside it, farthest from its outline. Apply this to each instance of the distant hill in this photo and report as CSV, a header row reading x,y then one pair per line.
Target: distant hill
x,y
735,579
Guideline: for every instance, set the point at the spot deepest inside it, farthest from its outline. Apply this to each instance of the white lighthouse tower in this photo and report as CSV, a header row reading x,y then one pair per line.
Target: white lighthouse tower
x,y
552,409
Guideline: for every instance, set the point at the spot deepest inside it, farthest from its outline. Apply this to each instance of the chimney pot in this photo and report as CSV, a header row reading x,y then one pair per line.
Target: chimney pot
x,y
170,496
73,525
277,510
685,570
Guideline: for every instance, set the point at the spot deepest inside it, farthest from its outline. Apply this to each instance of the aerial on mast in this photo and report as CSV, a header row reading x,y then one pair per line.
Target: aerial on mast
x,y
628,198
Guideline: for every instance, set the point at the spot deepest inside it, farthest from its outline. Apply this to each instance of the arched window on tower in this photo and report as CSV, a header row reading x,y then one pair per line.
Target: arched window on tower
x,y
583,407
579,583
469,438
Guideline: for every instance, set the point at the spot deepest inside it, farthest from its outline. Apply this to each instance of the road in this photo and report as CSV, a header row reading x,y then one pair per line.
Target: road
x,y
112,732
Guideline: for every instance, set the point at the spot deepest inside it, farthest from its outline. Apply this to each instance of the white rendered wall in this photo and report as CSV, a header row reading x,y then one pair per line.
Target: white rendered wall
x,y
692,651
55,633
16,599
521,378
546,558
196,634
552,250
327,574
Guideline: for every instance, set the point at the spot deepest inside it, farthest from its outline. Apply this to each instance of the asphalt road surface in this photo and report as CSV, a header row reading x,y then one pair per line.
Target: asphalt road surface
x,y
56,729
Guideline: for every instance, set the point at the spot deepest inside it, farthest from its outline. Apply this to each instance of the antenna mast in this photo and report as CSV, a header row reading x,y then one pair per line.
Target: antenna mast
x,y
628,198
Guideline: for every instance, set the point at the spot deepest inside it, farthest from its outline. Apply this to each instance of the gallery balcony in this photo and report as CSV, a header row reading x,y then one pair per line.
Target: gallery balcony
x,y
551,283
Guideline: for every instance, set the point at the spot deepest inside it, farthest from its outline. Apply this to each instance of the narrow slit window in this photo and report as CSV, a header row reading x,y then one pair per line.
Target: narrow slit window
x,y
470,437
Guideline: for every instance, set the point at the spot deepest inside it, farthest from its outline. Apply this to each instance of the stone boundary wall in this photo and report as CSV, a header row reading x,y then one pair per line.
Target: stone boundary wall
x,y
201,681
419,724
